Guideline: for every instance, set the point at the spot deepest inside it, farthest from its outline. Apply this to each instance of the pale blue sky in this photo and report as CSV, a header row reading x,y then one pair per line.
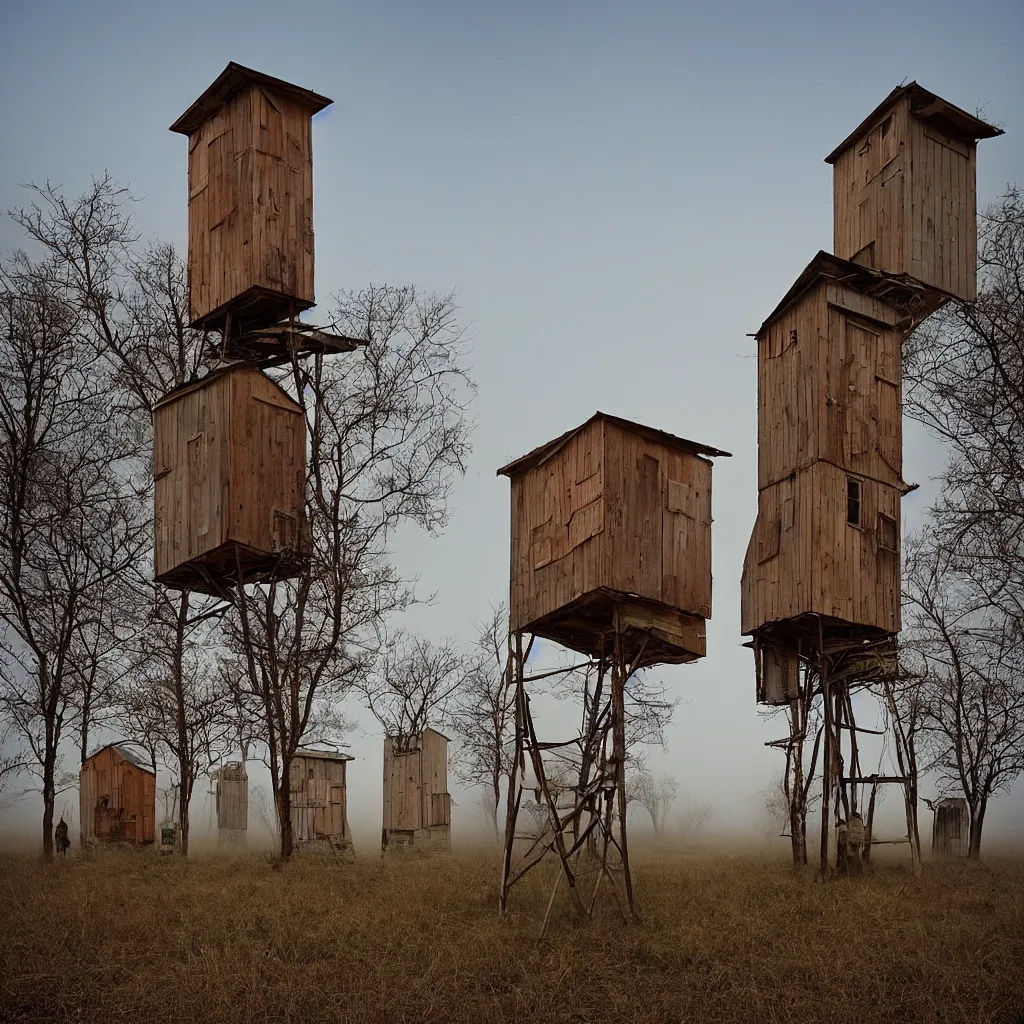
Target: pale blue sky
x,y
617,193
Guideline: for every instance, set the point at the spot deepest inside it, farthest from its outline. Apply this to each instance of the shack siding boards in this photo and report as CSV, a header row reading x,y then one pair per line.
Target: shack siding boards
x,y
416,786
616,509
229,466
824,565
117,799
318,798
907,203
250,175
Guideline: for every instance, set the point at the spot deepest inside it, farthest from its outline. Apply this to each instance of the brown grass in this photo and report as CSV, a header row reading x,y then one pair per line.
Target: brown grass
x,y
121,936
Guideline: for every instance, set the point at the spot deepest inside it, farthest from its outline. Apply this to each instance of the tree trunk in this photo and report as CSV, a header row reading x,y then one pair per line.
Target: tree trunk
x,y
283,799
496,789
977,822
49,798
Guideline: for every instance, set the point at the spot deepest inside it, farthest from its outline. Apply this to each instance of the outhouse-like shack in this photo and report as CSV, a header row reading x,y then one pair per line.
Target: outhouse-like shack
x,y
417,806
951,827
232,793
230,469
905,190
116,797
250,199
319,799
613,519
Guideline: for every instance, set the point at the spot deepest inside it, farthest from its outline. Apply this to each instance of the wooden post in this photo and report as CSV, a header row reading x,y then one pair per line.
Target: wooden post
x,y
826,771
619,756
515,780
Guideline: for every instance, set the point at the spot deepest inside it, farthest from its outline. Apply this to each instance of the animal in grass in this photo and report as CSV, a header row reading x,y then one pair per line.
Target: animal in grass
x,y
60,835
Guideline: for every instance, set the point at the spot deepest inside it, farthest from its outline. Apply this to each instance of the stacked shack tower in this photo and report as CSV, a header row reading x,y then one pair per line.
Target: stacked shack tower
x,y
230,446
821,577
611,559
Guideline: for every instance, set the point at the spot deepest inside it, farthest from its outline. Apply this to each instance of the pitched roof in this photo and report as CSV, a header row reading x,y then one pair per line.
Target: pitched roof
x,y
545,451
929,107
233,78
899,290
127,753
194,385
326,755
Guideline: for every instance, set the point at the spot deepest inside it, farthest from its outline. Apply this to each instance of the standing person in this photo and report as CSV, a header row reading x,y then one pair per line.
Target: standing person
x,y
60,835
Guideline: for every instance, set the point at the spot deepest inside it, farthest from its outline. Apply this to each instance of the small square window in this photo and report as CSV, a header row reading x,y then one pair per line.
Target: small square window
x,y
853,502
888,535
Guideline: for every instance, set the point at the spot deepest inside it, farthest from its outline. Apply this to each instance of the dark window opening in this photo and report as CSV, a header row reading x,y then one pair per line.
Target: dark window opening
x,y
311,773
886,125
853,502
888,536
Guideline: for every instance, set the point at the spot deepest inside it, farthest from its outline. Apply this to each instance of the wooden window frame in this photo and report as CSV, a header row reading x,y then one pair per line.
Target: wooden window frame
x,y
854,499
886,524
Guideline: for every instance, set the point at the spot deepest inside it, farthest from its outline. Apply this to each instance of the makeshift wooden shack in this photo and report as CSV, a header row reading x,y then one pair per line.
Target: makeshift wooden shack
x,y
319,799
613,515
951,827
904,190
830,458
417,806
232,795
250,199
117,797
229,464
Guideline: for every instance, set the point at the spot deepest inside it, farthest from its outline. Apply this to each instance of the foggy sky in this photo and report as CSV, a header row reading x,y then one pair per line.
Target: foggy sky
x,y
618,195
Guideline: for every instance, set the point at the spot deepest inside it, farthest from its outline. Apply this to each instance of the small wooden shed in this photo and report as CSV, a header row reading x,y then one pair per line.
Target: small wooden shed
x,y
319,799
951,827
229,463
116,797
232,795
417,806
830,456
613,518
904,190
250,199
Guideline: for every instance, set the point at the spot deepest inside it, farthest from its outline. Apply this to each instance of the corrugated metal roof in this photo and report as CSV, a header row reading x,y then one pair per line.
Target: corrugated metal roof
x,y
929,107
545,451
127,753
228,82
327,755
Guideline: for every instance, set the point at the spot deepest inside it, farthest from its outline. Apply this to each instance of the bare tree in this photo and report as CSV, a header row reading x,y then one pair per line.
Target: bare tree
x,y
694,816
412,686
70,521
964,380
388,436
655,794
483,716
971,658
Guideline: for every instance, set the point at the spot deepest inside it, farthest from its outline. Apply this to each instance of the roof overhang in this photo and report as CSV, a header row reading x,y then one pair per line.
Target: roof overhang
x,y
230,81
540,455
926,105
900,291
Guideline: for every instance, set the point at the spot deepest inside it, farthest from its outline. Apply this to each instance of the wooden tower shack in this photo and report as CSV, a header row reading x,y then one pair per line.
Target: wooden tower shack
x,y
820,593
230,465
250,199
610,558
232,795
417,805
319,800
230,452
116,797
904,191
951,827
613,518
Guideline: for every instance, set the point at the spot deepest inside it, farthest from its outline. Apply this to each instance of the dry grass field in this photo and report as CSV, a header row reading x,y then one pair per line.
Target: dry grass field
x,y
128,936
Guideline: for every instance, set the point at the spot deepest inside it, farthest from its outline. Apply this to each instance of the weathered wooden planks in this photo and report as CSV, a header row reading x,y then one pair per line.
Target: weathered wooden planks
x,y
117,798
319,813
417,805
229,470
905,192
614,506
250,207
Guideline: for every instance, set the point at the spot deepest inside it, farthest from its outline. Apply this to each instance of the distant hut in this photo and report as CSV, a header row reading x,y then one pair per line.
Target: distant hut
x,y
319,792
232,794
117,797
417,806
951,827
